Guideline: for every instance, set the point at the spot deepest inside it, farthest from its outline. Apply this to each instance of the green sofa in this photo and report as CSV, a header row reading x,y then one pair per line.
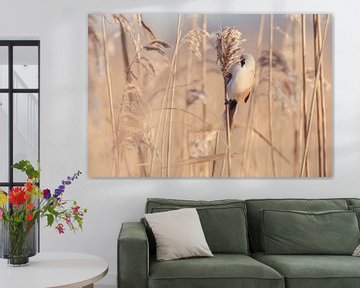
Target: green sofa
x,y
234,232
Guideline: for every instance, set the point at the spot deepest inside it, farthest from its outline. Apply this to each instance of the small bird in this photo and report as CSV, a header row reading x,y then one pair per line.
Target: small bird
x,y
240,83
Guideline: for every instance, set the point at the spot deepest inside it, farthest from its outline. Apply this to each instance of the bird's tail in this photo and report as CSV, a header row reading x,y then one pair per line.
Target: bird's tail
x,y
232,111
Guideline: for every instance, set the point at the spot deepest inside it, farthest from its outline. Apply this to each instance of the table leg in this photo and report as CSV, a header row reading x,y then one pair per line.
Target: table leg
x,y
89,286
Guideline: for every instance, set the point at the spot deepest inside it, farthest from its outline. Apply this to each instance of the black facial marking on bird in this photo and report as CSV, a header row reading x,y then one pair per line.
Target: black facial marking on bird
x,y
247,98
228,78
242,62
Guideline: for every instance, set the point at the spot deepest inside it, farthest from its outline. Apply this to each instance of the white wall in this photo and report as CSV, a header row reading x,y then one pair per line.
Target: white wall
x,y
62,28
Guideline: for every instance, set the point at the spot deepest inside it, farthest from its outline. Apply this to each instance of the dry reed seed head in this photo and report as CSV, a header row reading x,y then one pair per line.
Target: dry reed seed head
x,y
200,143
129,30
155,47
147,64
143,138
96,47
282,32
158,47
286,96
147,29
198,148
134,133
94,41
228,47
133,100
294,17
278,61
310,77
193,95
194,38
93,37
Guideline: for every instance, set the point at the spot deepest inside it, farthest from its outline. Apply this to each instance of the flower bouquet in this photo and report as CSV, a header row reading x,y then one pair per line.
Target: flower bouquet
x,y
21,208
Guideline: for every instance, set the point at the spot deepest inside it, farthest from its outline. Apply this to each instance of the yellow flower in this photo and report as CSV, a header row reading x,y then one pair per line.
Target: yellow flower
x,y
3,198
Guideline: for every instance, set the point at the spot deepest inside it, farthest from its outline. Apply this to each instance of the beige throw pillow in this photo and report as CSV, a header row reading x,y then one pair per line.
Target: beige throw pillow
x,y
178,234
357,251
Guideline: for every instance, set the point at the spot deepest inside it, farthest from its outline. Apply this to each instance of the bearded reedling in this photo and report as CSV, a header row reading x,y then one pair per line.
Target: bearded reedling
x,y
240,82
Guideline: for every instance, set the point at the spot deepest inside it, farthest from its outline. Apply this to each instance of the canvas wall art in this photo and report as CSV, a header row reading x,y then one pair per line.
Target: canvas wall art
x,y
194,95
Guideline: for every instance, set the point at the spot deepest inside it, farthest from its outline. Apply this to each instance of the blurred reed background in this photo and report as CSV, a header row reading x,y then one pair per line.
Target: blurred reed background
x,y
156,97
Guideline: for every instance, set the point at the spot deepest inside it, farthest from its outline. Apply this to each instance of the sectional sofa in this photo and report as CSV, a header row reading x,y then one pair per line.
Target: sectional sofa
x,y
256,243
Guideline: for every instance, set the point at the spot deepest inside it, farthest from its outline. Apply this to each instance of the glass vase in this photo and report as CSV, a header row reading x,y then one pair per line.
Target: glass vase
x,y
18,242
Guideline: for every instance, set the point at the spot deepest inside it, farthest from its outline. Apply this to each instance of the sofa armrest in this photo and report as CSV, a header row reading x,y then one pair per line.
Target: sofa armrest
x,y
133,256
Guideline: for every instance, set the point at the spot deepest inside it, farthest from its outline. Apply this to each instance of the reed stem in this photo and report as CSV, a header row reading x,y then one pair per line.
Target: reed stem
x,y
169,144
323,102
110,99
270,106
312,105
318,98
228,132
204,79
251,111
303,98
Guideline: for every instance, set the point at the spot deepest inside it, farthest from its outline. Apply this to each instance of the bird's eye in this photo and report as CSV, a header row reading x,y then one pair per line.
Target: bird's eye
x,y
242,62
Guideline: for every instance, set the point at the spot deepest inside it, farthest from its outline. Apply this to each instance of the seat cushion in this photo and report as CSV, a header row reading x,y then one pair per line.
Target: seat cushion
x,y
255,206
222,270
315,271
223,221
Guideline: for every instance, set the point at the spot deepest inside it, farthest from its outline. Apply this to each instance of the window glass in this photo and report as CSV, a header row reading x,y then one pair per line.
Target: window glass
x,y
26,130
4,67
4,137
26,61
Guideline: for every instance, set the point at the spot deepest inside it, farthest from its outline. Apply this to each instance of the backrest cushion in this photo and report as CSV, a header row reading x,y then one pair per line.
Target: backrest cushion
x,y
298,232
223,221
353,202
354,205
255,206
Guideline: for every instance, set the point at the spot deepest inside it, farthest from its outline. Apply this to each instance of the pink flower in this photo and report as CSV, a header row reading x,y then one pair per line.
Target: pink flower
x,y
68,219
76,210
60,228
1,213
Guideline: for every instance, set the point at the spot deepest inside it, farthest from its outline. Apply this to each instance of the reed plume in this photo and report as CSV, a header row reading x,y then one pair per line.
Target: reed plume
x,y
228,47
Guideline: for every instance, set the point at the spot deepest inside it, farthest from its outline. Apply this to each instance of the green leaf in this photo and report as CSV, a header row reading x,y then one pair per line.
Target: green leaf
x,y
50,219
26,167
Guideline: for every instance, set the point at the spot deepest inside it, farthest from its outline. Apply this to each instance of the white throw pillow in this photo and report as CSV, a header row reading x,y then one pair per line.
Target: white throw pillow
x,y
178,234
357,251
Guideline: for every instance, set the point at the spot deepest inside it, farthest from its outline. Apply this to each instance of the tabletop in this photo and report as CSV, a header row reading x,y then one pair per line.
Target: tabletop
x,y
50,270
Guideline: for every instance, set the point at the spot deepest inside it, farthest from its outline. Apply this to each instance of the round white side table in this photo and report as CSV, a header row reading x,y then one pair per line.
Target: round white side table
x,y
50,270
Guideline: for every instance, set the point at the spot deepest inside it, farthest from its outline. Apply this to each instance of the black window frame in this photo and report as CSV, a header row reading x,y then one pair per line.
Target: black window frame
x,y
10,91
